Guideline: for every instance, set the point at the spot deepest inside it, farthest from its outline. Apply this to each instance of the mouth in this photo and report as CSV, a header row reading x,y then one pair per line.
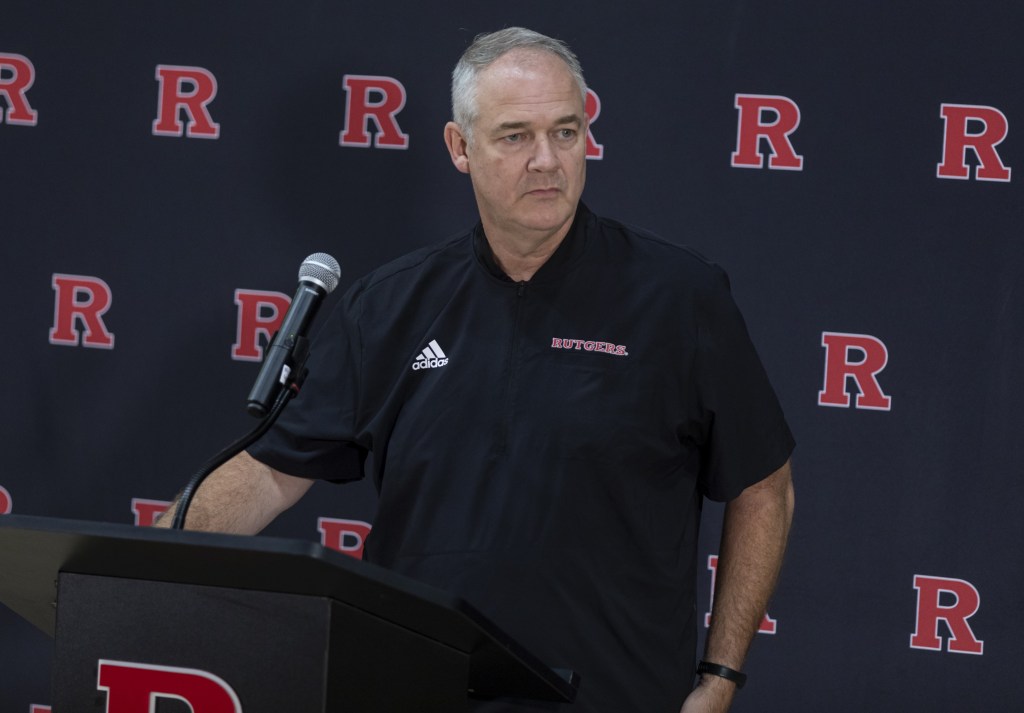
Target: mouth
x,y
544,192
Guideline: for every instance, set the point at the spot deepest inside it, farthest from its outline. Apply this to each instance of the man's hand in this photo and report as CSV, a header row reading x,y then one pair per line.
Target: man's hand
x,y
712,695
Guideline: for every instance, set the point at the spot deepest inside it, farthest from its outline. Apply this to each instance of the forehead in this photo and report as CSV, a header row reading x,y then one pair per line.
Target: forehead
x,y
531,83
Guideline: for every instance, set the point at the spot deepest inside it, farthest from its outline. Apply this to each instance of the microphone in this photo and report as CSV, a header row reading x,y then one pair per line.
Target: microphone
x,y
318,276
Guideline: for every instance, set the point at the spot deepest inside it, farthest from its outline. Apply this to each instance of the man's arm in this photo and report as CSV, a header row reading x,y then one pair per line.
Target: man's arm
x,y
241,497
754,534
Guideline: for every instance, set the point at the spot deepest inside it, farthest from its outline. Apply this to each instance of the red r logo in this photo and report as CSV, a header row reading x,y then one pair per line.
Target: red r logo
x,y
81,299
768,117
767,626
376,99
347,536
838,366
259,315
134,688
17,75
148,511
962,602
188,89
593,110
992,127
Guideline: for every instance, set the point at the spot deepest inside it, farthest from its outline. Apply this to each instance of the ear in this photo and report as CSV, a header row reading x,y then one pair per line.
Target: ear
x,y
457,146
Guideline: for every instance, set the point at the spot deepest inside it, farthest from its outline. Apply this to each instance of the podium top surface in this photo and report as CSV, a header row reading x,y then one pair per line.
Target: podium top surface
x,y
34,550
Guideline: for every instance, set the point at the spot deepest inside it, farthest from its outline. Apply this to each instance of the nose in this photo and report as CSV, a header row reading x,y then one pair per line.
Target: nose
x,y
544,157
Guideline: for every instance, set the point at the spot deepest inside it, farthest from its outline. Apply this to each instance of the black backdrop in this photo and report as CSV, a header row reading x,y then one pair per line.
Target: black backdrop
x,y
905,513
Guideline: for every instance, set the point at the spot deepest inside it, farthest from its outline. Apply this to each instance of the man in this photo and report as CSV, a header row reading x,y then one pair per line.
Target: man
x,y
546,399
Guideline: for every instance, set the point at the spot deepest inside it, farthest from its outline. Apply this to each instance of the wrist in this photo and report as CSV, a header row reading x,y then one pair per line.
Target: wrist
x,y
710,671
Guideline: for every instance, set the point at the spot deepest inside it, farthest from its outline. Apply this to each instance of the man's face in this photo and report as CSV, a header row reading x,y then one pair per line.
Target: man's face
x,y
527,160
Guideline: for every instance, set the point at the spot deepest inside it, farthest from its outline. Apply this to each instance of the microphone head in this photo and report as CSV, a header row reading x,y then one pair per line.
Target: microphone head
x,y
320,269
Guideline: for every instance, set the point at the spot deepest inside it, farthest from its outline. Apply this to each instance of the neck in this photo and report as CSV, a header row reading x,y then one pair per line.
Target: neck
x,y
520,255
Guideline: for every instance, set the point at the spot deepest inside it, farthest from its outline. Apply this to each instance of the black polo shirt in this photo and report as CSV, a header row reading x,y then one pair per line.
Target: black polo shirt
x,y
541,449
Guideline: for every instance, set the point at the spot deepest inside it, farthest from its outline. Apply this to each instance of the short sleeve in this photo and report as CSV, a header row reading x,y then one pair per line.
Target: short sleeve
x,y
317,434
747,437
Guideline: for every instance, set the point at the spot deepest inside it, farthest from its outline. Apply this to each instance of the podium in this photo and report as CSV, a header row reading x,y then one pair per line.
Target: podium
x,y
146,616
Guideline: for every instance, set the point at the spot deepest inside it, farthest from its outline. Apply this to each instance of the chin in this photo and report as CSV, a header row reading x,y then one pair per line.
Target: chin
x,y
548,217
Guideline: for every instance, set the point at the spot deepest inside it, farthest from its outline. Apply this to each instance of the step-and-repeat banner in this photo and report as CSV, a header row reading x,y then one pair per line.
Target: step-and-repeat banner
x,y
165,167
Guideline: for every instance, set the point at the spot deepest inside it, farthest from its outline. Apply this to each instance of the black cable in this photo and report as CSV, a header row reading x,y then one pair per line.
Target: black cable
x,y
185,499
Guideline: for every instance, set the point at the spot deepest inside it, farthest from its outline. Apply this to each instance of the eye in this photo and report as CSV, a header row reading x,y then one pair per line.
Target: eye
x,y
512,138
567,134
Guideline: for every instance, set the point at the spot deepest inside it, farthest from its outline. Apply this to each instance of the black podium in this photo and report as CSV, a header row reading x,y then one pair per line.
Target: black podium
x,y
146,616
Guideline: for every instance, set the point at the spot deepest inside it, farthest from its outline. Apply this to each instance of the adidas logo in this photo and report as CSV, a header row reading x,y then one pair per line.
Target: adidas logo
x,y
431,357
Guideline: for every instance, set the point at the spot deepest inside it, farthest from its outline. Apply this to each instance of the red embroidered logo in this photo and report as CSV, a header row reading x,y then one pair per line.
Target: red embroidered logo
x,y
587,345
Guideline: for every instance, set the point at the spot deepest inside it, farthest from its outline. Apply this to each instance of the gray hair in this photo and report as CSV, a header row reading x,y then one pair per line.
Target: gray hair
x,y
485,50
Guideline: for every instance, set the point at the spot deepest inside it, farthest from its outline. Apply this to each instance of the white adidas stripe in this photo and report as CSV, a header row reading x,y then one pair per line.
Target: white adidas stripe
x,y
432,351
437,349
